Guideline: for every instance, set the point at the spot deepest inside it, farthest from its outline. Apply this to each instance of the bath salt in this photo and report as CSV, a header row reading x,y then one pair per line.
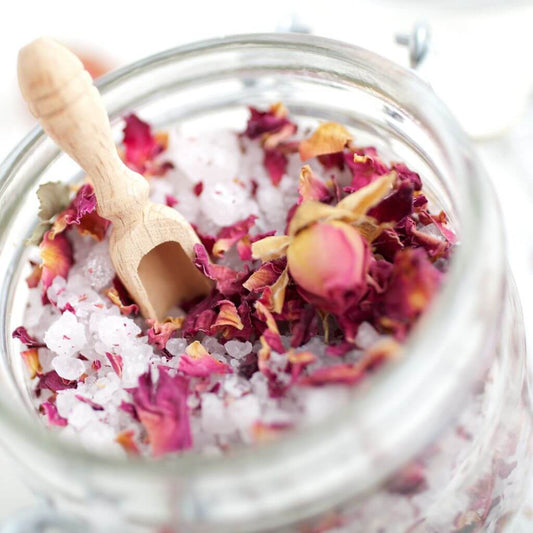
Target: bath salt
x,y
323,256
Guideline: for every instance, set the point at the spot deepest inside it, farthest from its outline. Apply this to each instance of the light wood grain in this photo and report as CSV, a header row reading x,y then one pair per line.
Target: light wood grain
x,y
61,95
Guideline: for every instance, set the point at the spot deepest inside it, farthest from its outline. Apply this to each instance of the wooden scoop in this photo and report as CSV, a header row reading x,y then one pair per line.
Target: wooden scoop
x,y
151,245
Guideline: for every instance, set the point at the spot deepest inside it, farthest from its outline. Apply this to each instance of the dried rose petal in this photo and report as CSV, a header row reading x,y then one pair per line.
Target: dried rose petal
x,y
197,362
93,225
264,433
274,296
198,188
129,408
365,166
310,212
126,310
311,188
271,247
52,381
266,122
328,138
171,200
228,316
141,147
370,195
335,160
56,255
265,275
163,411
230,235
33,279
21,333
275,163
394,207
126,439
348,374
117,363
95,406
50,411
83,203
407,176
298,361
413,284
228,281
160,332
329,261
31,358
201,316
305,328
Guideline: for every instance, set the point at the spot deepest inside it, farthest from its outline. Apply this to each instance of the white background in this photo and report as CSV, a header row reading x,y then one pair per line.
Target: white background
x,y
480,64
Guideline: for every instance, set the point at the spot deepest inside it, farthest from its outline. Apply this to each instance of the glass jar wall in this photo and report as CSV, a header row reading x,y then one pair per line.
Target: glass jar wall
x,y
436,441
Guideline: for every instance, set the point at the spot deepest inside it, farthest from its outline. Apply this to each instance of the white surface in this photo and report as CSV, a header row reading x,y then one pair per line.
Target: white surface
x,y
483,56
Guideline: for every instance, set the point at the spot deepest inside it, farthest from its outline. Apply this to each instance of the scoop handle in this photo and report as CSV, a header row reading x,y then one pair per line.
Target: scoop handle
x,y
60,94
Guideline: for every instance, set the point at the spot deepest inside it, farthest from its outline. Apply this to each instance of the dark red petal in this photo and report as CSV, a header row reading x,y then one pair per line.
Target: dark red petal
x,y
163,411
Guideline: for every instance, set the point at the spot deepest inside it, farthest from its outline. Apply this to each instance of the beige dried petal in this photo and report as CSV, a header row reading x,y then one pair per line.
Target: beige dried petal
x,y
311,211
196,350
278,291
279,110
328,138
370,229
270,247
368,196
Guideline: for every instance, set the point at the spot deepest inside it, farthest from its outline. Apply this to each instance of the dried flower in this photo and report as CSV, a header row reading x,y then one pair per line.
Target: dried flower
x,y
162,410
335,276
328,138
198,362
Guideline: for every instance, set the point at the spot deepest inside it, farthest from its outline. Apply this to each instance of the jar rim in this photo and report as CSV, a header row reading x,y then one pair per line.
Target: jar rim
x,y
466,264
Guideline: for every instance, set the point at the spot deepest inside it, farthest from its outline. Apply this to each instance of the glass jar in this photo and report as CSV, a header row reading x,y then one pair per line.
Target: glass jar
x,y
438,440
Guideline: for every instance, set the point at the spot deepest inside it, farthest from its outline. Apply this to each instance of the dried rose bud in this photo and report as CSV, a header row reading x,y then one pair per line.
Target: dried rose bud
x,y
329,260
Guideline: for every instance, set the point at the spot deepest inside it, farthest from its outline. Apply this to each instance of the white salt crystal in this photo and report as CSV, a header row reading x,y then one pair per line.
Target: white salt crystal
x,y
66,336
58,286
211,157
189,207
318,403
106,389
213,346
235,385
215,419
98,266
80,415
238,349
135,362
270,199
159,189
117,331
367,336
225,203
98,436
176,346
68,367
244,411
259,384
65,401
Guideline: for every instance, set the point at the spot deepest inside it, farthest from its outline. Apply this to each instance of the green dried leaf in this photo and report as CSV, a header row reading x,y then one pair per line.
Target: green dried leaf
x,y
53,198
38,233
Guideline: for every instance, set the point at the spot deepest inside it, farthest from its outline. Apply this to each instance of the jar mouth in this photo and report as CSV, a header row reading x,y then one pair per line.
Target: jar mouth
x,y
408,378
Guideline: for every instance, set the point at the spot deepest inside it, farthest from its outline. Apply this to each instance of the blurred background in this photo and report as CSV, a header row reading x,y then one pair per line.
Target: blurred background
x,y
476,54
